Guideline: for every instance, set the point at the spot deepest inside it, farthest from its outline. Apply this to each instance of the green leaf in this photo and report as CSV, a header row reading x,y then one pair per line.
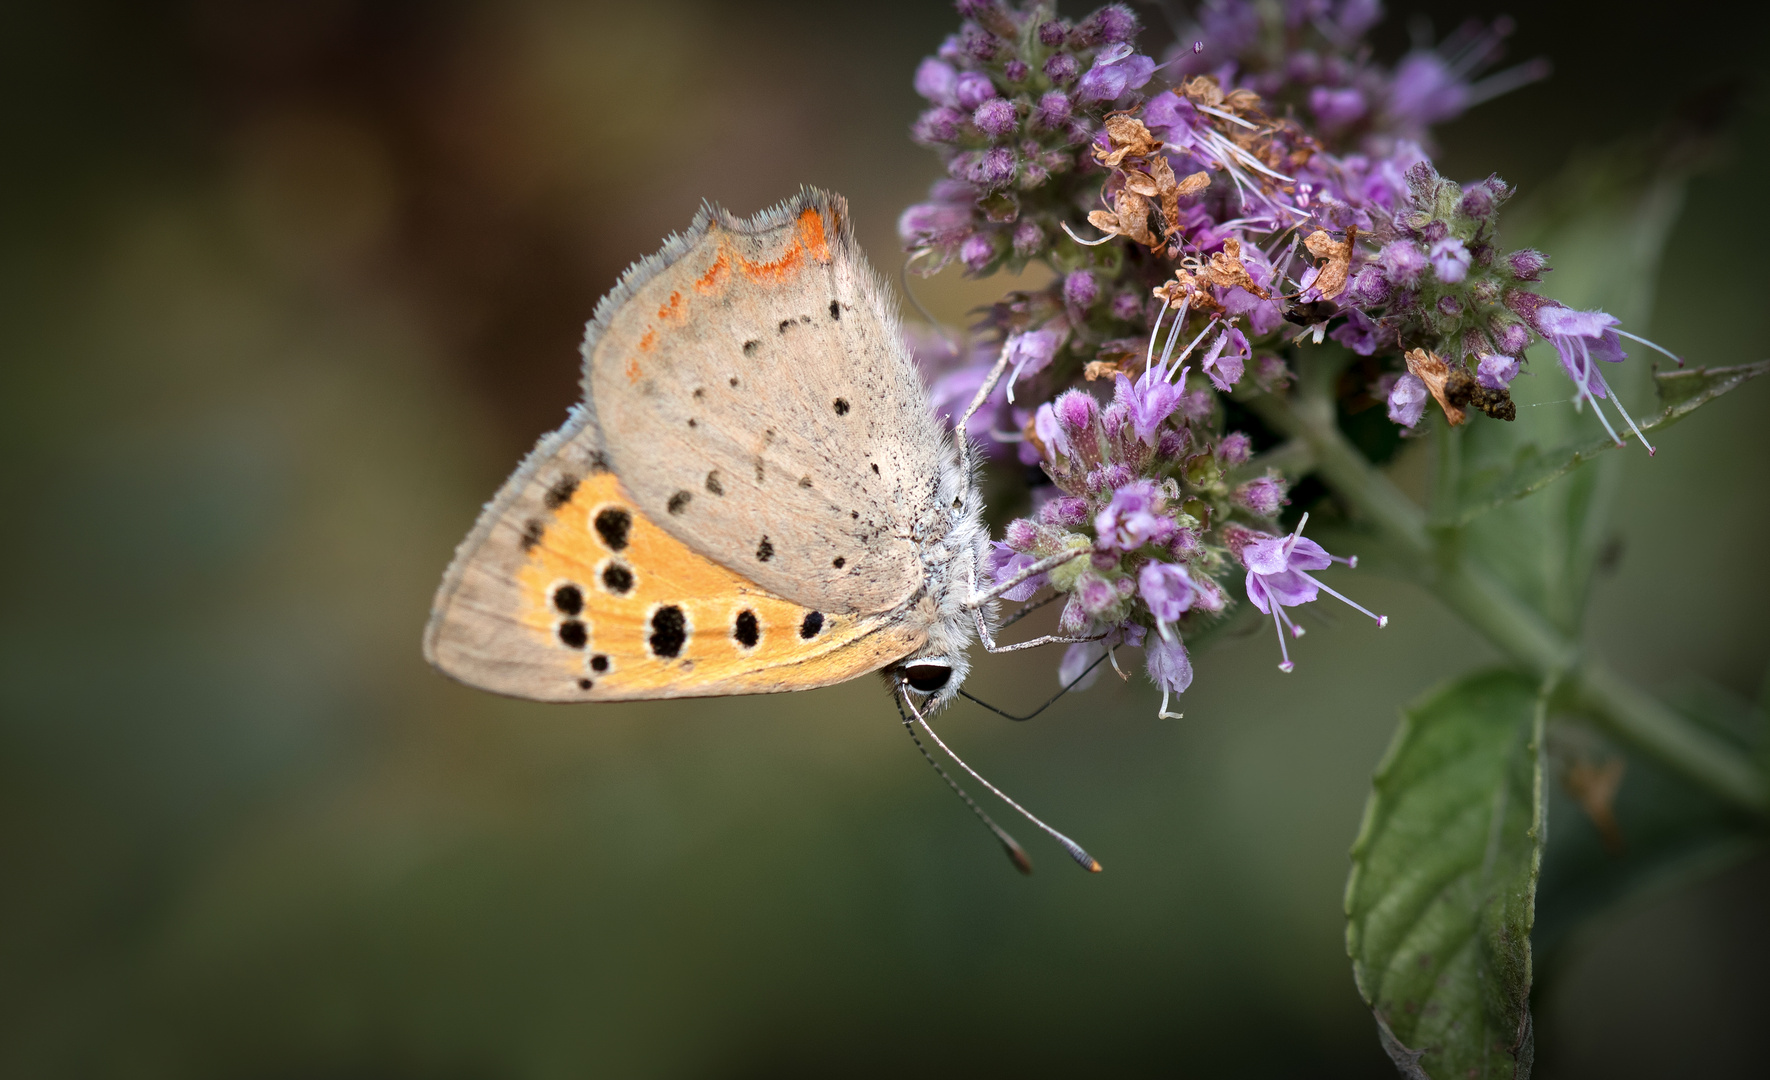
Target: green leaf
x,y
1680,393
1441,899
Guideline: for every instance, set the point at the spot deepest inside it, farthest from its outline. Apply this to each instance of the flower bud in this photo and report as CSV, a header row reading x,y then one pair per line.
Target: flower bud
x,y
1527,265
1016,71
1369,287
1054,109
1261,497
937,125
973,90
1065,511
937,81
1511,337
993,168
1028,238
1172,444
1185,544
1080,289
1021,535
1127,306
1062,68
1450,306
1051,34
981,45
977,252
1234,449
996,117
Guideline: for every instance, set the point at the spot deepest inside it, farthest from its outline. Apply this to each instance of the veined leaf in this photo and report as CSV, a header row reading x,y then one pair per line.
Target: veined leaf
x,y
1441,899
1680,393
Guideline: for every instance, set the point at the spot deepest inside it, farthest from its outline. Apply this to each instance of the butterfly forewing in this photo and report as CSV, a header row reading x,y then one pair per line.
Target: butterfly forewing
x,y
753,394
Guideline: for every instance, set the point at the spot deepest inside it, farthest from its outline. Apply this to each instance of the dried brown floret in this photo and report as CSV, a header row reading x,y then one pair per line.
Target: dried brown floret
x,y
1129,217
1226,270
1330,278
1431,369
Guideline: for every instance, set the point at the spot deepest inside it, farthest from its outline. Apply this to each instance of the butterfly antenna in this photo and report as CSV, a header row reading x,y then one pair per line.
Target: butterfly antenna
x,y
1082,858
1066,689
1016,853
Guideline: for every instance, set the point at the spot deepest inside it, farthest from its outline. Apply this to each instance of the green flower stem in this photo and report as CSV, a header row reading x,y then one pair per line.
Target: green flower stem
x,y
1513,626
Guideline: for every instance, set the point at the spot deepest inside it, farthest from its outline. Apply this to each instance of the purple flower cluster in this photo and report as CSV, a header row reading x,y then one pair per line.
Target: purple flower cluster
x,y
1264,183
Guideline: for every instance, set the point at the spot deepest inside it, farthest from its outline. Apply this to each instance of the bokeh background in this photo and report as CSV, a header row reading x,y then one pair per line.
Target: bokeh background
x,y
286,288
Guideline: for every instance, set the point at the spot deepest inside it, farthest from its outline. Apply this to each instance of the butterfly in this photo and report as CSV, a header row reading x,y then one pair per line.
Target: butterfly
x,y
754,495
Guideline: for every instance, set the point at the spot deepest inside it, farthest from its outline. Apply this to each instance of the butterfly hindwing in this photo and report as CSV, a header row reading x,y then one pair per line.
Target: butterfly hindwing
x,y
568,592
753,393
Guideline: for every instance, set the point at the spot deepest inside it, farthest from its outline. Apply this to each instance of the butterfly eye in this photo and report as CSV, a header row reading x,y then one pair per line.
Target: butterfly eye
x,y
927,678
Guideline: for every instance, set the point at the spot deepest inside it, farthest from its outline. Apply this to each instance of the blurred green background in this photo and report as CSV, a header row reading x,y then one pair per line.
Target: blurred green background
x,y
289,287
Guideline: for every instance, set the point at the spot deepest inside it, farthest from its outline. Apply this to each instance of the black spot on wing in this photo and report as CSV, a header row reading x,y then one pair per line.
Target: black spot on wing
x,y
835,310
875,468
764,550
679,502
561,492
599,663
669,632
839,562
750,348
617,578
746,631
568,600
714,487
805,481
598,461
613,524
813,624
841,406
532,534
786,324
573,634
585,684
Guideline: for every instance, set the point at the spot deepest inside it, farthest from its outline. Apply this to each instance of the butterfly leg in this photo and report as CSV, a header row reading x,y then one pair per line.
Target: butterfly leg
x,y
977,400
1049,562
977,602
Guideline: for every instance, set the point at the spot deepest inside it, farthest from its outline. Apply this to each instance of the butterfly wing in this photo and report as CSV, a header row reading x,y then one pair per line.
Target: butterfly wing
x,y
753,394
568,592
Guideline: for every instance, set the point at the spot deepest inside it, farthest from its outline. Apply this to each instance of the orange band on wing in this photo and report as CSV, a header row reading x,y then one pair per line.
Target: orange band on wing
x,y
714,279
777,272
811,234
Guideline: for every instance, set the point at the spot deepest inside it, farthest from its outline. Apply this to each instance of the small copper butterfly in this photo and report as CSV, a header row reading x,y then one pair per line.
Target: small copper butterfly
x,y
753,497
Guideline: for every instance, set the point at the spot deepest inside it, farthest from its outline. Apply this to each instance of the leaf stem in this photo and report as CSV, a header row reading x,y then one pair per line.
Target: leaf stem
x,y
1485,602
